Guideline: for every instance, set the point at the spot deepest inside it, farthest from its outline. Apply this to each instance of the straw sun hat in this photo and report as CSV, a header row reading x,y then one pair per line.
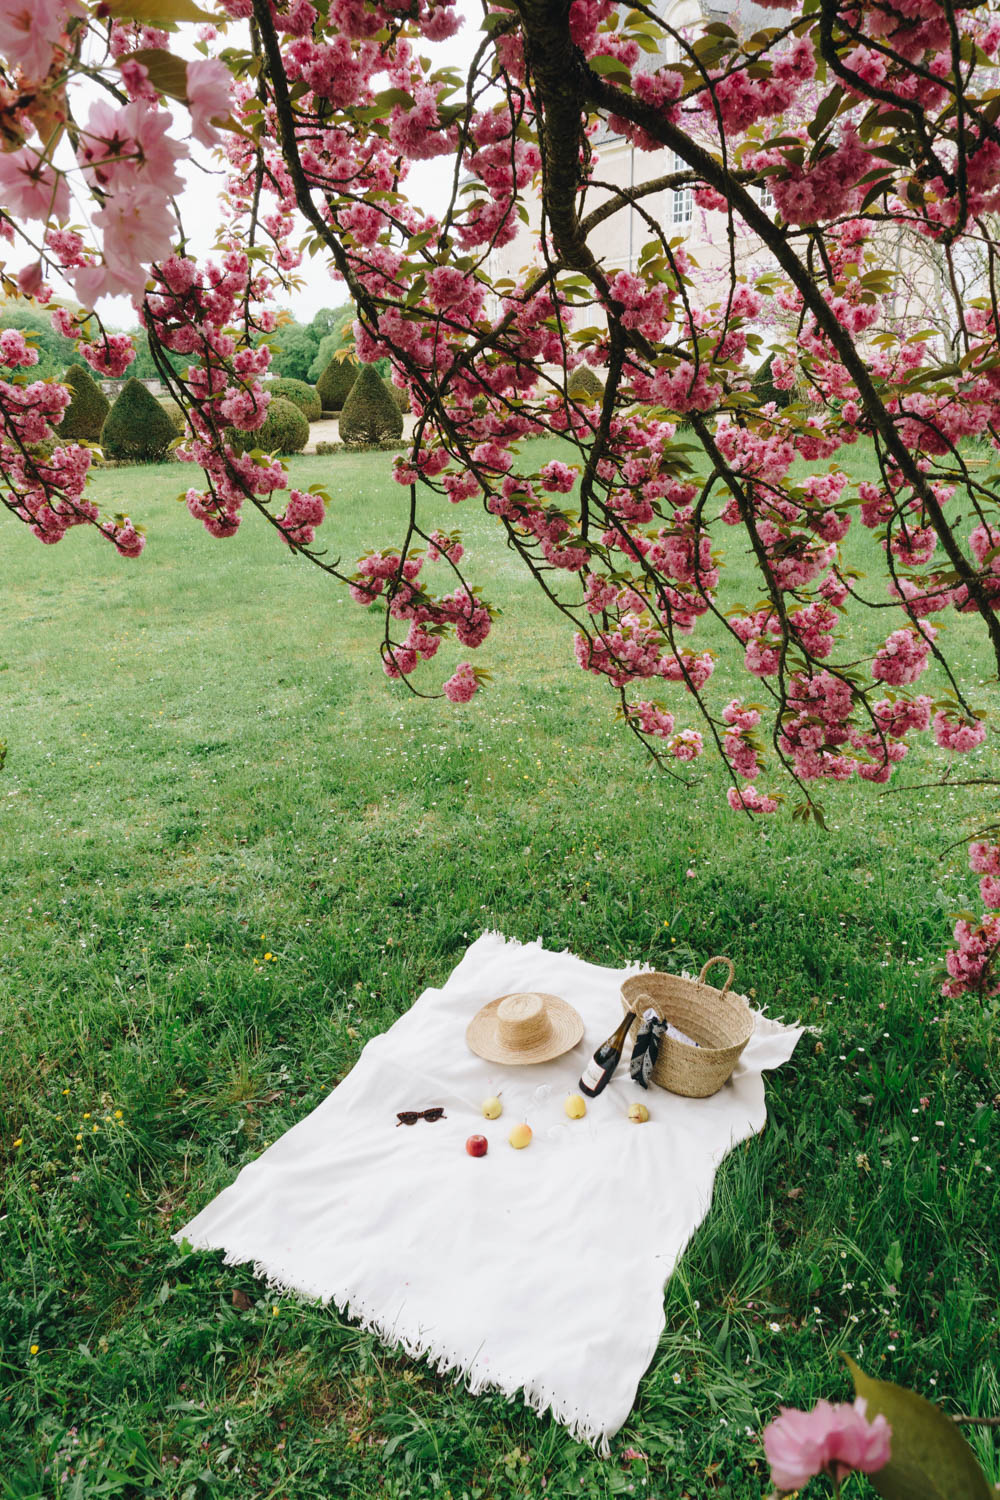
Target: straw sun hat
x,y
524,1028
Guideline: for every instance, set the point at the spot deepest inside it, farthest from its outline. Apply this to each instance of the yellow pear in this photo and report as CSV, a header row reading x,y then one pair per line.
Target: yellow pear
x,y
520,1137
638,1113
492,1108
575,1106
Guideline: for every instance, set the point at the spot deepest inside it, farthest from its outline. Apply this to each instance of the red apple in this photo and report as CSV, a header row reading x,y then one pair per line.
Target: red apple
x,y
477,1145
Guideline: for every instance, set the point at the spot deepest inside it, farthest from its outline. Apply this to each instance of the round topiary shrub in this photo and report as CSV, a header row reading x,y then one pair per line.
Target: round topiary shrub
x,y
584,385
304,396
137,427
334,385
285,430
370,413
85,415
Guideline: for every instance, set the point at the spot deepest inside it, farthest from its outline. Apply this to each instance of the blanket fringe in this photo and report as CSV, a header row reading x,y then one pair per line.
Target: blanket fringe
x,y
537,1396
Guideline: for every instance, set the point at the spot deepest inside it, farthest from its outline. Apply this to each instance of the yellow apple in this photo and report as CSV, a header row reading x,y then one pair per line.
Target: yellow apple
x,y
492,1108
638,1113
520,1137
575,1106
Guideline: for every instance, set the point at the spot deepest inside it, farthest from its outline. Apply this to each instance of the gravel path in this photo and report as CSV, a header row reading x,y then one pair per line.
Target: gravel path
x,y
327,430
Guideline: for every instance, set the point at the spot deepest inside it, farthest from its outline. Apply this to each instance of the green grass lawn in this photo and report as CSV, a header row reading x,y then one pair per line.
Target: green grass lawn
x,y
232,852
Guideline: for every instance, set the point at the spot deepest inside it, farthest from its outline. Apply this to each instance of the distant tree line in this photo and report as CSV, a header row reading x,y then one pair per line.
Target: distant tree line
x,y
301,351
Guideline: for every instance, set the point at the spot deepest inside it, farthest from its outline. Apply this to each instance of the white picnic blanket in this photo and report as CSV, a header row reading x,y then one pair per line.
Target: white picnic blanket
x,y
538,1271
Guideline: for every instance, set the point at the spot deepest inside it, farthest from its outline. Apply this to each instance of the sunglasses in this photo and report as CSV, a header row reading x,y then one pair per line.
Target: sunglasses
x,y
411,1116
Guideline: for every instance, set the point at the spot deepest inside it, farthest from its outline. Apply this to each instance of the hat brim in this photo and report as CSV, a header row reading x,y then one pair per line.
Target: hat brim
x,y
566,1029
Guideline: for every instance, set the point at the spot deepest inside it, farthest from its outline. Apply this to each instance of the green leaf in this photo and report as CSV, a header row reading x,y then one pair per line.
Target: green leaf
x,y
930,1458
894,1262
825,112
166,73
609,67
388,97
158,12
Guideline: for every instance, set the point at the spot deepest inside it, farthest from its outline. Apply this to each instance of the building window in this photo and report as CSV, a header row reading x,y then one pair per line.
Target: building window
x,y
682,208
766,198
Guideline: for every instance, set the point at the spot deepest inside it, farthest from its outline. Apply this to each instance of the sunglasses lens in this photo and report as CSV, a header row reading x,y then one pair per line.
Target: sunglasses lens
x,y
407,1117
433,1114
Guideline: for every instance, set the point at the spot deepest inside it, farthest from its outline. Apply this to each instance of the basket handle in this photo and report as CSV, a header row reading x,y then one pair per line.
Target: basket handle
x,y
719,959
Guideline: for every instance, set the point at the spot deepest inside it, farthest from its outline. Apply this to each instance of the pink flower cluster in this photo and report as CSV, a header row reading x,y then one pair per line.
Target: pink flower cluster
x,y
687,745
952,732
972,965
748,799
444,545
652,719
827,190
903,656
303,513
462,685
740,99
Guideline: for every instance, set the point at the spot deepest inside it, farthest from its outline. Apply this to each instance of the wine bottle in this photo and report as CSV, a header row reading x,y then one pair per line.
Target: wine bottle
x,y
605,1060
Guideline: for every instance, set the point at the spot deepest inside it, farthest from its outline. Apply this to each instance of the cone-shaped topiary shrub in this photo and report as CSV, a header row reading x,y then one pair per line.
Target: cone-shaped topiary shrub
x,y
334,385
175,412
401,397
585,385
285,430
85,414
764,388
137,426
305,397
370,413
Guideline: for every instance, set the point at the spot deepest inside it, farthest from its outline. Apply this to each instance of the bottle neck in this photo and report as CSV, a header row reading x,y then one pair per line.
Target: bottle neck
x,y
623,1030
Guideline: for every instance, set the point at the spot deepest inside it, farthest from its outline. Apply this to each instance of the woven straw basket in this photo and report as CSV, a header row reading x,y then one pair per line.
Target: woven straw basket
x,y
720,1022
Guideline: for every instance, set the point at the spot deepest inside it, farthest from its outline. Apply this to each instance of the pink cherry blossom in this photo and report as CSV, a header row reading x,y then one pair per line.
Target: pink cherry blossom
x,y
209,87
958,733
972,963
30,187
29,31
748,799
130,147
137,227
462,685
15,349
30,279
829,1439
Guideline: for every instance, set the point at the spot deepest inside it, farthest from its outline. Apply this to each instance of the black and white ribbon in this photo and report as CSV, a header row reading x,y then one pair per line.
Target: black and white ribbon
x,y
646,1048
